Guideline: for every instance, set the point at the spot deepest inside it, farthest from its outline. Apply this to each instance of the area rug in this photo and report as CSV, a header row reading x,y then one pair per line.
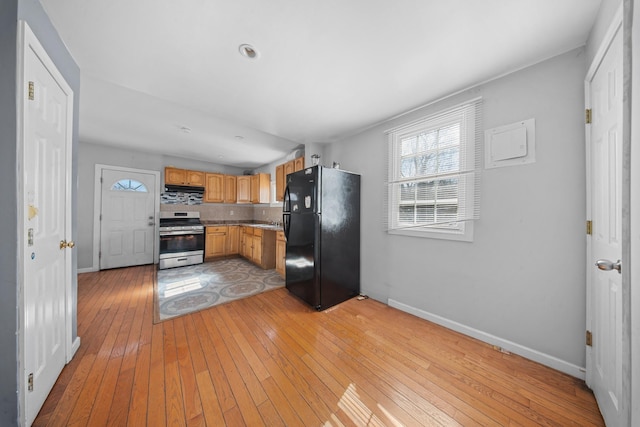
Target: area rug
x,y
184,290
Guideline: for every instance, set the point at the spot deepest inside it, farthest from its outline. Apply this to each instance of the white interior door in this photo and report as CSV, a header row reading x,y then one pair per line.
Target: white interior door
x,y
127,226
46,257
604,301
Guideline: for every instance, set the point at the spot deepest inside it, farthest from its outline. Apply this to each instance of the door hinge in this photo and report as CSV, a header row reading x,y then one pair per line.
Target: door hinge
x,y
587,116
589,339
32,91
589,227
30,382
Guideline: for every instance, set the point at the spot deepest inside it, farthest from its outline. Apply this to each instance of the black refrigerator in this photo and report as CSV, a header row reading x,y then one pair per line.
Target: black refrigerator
x,y
321,218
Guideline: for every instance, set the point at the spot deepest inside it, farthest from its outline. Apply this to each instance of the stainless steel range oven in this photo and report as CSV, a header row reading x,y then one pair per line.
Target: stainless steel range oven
x,y
181,239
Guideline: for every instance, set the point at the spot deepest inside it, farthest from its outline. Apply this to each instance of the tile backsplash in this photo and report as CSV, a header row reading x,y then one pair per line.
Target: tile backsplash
x,y
229,212
180,198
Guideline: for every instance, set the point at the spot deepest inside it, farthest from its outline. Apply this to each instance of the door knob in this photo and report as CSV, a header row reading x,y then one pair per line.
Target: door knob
x,y
606,265
64,244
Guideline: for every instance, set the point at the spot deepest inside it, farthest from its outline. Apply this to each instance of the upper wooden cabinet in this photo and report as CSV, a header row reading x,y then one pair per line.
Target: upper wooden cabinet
x,y
230,189
280,182
282,171
214,188
289,167
260,188
175,176
195,178
244,189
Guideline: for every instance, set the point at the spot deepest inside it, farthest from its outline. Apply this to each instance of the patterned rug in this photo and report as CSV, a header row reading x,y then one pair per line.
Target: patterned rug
x,y
183,290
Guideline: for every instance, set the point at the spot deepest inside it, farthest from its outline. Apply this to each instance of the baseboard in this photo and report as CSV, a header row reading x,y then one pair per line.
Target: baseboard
x,y
87,270
536,356
74,347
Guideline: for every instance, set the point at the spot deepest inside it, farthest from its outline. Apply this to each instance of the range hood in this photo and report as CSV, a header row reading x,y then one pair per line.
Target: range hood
x,y
183,189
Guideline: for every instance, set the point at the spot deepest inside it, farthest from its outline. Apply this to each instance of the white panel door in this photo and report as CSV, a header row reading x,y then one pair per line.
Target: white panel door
x,y
604,304
127,226
46,219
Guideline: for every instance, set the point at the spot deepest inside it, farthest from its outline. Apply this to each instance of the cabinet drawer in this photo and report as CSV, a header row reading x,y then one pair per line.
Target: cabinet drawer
x,y
280,236
258,232
220,229
247,230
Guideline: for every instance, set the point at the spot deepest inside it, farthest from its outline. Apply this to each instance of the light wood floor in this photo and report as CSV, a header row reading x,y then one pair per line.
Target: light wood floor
x,y
270,360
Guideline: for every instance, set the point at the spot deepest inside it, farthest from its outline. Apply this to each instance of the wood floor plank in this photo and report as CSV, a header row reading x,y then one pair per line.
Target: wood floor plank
x,y
224,395
241,392
243,365
210,405
156,416
271,360
138,408
190,392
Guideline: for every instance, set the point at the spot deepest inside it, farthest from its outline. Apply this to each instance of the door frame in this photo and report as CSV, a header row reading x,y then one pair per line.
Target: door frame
x,y
97,210
628,307
28,40
632,23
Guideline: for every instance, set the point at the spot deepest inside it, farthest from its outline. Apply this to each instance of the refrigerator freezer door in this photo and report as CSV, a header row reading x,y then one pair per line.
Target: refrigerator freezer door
x,y
302,266
302,191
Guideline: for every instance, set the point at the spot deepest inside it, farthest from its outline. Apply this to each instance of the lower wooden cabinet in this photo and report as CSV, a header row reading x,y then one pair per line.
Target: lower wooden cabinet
x,y
253,243
281,252
258,246
221,240
233,240
215,244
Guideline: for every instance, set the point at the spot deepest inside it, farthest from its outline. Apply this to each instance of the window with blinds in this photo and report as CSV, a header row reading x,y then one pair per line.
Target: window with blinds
x,y
434,171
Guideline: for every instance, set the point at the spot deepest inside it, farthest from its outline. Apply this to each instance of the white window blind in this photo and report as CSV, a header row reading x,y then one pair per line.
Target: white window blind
x,y
434,171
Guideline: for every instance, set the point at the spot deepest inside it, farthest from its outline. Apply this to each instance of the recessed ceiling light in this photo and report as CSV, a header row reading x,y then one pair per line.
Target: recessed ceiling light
x,y
248,51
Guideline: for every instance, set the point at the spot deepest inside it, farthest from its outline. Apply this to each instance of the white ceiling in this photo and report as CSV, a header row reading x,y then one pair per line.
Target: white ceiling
x,y
326,68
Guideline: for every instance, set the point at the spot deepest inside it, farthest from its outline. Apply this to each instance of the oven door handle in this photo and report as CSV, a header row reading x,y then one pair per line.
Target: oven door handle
x,y
180,232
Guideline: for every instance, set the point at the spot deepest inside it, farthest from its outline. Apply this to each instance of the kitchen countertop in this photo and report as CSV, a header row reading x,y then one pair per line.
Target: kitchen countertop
x,y
264,226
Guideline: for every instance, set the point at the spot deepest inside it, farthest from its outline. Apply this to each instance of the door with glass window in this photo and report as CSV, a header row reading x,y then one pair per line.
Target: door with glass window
x,y
127,225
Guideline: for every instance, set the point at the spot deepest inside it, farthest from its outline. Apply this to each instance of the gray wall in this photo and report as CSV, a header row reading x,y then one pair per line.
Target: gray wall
x,y
91,154
608,9
31,11
8,211
522,279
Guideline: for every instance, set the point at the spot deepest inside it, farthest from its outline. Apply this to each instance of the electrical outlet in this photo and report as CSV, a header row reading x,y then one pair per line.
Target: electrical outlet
x,y
231,213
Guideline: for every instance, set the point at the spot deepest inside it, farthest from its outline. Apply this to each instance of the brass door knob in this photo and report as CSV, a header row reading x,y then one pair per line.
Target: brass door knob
x,y
65,244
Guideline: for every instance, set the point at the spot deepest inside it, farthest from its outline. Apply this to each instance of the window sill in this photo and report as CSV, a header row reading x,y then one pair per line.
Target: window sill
x,y
464,235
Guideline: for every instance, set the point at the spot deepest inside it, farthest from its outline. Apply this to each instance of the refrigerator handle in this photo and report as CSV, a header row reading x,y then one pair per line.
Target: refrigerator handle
x,y
285,224
286,201
286,209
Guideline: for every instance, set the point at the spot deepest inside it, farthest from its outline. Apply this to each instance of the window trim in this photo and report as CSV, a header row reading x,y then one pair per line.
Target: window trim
x,y
140,188
468,115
